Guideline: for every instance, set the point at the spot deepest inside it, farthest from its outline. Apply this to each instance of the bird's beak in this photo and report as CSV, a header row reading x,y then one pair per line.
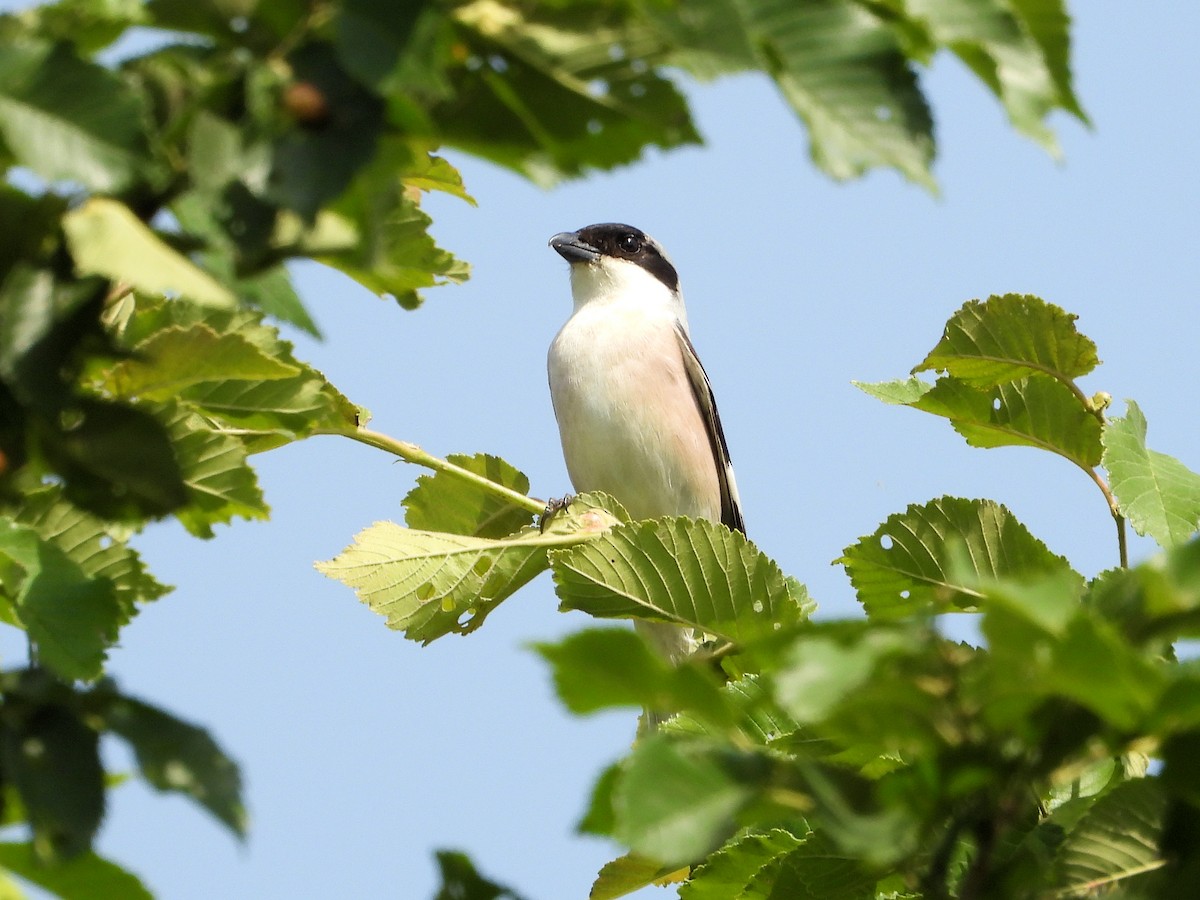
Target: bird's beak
x,y
572,249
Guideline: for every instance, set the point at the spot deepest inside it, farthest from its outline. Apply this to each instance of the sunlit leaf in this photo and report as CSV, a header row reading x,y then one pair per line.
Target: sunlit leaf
x,y
685,571
906,565
445,502
107,239
1157,493
1117,840
1011,336
84,877
629,873
745,868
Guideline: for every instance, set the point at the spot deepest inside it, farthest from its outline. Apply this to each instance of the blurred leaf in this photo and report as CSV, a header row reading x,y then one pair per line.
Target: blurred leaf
x,y
394,50
393,252
745,868
316,160
117,461
172,359
838,65
27,227
107,239
1036,411
1019,50
71,120
272,291
542,92
98,547
53,758
688,572
677,800
84,877
174,755
444,502
1157,493
70,615
1116,841
601,668
1008,337
629,873
462,881
91,25
905,566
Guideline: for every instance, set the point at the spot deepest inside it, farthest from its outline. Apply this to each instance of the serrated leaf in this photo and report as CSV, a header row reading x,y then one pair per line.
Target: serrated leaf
x,y
175,358
107,239
85,877
743,868
177,756
906,565
429,584
689,572
1116,840
98,547
817,870
53,758
69,119
1008,337
445,502
219,482
676,801
432,173
629,873
1036,411
1157,493
71,616
900,392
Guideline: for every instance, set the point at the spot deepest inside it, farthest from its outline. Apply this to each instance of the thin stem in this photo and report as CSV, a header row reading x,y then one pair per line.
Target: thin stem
x,y
1114,508
411,453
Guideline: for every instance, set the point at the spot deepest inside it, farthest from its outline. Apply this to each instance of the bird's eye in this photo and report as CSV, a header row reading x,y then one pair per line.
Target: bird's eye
x,y
629,243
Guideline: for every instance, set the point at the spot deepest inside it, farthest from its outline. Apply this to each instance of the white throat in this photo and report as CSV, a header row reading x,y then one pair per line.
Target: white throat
x,y
616,282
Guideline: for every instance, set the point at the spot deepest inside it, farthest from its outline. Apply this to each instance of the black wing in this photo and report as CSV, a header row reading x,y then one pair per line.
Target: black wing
x,y
731,508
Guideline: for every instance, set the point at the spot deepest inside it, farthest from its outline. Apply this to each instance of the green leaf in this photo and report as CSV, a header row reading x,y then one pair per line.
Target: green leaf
x,y
177,756
445,502
838,65
1036,411
678,800
430,584
901,392
172,359
68,119
745,868
84,877
432,173
1157,493
629,873
98,547
1117,839
107,239
906,565
71,616
1019,50
220,484
53,758
542,92
602,668
685,571
27,225
392,251
818,870
118,461
462,881
1008,337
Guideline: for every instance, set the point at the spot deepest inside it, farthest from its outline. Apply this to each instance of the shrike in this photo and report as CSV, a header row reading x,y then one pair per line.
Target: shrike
x,y
635,410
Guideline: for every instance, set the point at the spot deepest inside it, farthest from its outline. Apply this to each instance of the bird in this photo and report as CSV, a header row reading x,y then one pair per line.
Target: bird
x,y
636,413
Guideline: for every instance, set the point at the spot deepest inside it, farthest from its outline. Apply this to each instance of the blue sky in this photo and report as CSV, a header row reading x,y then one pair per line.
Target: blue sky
x,y
363,752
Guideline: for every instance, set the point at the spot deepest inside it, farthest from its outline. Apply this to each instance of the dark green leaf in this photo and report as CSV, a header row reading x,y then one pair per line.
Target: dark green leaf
x,y
461,880
69,119
26,226
71,616
1158,494
746,868
1117,840
53,758
1008,337
84,877
174,755
906,565
444,502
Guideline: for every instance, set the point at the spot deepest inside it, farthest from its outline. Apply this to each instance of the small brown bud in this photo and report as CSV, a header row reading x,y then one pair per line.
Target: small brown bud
x,y
306,103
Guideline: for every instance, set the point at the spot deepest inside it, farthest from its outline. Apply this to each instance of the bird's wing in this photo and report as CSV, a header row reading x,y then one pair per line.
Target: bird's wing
x,y
731,507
